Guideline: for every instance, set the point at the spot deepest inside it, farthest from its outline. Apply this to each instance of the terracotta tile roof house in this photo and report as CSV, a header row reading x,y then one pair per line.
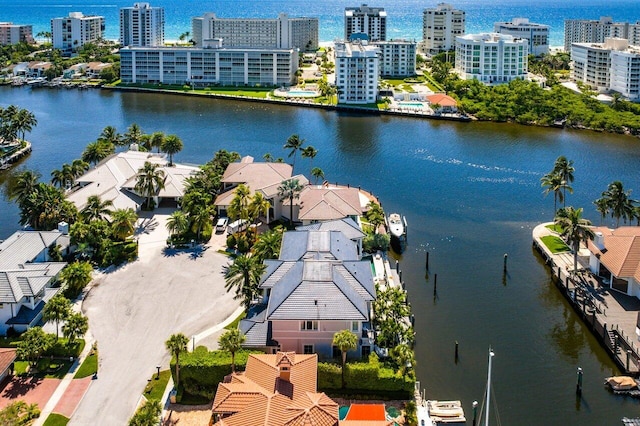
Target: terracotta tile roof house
x,y
447,103
366,415
26,276
7,357
317,287
615,254
319,203
114,179
275,390
37,68
259,177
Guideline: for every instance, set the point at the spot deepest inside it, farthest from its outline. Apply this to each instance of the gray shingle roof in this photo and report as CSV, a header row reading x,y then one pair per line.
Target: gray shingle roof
x,y
317,245
256,330
25,246
347,226
28,281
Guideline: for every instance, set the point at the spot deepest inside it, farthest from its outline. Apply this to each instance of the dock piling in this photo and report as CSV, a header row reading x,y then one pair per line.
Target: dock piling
x,y
427,261
458,357
475,412
505,262
435,284
579,385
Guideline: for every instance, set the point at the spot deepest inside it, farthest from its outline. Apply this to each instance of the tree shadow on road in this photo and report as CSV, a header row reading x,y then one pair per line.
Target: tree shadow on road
x,y
197,252
146,226
19,386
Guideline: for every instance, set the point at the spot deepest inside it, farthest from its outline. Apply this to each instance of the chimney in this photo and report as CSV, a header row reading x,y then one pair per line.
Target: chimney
x,y
63,228
598,240
285,369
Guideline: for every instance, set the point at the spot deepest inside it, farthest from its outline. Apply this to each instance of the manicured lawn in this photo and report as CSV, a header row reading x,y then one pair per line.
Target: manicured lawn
x,y
88,368
555,228
155,388
56,420
555,244
47,368
235,322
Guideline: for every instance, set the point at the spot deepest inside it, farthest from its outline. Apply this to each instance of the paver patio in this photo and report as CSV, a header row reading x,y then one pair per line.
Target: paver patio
x,y
28,389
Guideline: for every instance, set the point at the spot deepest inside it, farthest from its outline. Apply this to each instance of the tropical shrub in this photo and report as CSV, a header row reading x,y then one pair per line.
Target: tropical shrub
x,y
373,243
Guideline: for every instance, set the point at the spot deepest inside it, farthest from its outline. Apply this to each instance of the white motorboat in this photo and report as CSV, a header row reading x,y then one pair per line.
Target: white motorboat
x,y
446,411
396,225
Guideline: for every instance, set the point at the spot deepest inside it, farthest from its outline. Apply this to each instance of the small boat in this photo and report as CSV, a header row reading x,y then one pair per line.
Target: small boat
x,y
621,383
396,225
446,411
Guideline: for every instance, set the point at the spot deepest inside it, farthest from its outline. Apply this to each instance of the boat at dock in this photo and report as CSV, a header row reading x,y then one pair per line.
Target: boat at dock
x,y
397,225
446,412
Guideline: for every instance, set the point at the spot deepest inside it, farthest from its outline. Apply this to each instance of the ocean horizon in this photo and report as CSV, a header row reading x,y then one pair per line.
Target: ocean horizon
x,y
404,16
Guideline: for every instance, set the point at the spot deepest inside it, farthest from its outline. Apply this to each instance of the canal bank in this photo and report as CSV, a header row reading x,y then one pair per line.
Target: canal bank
x,y
611,316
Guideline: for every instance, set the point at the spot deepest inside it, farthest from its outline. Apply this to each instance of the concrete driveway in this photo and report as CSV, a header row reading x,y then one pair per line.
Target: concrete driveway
x,y
134,309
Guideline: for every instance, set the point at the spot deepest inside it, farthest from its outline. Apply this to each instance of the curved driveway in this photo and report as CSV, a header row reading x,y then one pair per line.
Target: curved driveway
x,y
134,309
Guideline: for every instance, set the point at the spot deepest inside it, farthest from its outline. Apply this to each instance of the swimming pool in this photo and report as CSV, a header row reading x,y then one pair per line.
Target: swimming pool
x,y
419,105
296,93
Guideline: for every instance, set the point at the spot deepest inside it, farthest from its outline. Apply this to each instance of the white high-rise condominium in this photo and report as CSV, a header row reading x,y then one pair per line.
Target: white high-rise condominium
x,y
440,27
357,70
491,58
537,34
397,57
74,31
14,34
141,25
280,33
371,21
592,31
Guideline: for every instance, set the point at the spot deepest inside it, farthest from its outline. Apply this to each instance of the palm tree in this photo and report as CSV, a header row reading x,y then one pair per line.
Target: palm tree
x,y
75,326
268,244
200,219
619,202
552,182
150,181
345,341
404,357
268,158
97,151
239,206
78,167
24,121
575,229
177,223
294,143
45,207
156,140
177,344
231,341
123,223
375,215
111,135
258,206
317,173
310,153
602,206
172,145
96,209
289,190
148,414
565,169
133,135
244,275
57,309
22,185
76,275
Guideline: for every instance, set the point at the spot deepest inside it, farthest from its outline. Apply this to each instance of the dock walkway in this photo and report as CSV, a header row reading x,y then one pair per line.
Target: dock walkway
x,y
609,314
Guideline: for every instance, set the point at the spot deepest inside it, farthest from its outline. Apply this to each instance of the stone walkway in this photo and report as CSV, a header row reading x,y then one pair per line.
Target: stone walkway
x,y
28,389
72,396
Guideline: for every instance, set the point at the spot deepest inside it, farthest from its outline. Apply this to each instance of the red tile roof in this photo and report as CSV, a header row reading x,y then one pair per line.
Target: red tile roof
x,y
621,255
366,412
7,356
442,100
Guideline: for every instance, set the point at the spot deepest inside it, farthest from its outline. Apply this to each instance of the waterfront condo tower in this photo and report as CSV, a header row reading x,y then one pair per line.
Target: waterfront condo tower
x,y
592,31
397,58
440,27
371,21
357,70
141,25
76,30
14,34
491,58
280,33
537,34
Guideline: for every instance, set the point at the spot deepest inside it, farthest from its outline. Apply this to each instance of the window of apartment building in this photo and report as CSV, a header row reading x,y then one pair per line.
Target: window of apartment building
x,y
355,325
307,349
309,326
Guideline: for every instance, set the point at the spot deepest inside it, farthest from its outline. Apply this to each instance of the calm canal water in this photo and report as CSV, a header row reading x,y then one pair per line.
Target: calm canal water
x,y
470,192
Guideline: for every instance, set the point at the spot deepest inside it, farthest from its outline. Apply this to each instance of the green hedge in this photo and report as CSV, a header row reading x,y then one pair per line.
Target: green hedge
x,y
202,370
366,378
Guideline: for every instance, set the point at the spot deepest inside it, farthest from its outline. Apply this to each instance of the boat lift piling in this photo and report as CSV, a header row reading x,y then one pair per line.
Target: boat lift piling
x,y
427,262
435,284
504,268
579,384
456,358
475,412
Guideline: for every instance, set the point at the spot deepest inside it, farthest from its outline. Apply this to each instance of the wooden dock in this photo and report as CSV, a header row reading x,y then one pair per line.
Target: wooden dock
x,y
609,314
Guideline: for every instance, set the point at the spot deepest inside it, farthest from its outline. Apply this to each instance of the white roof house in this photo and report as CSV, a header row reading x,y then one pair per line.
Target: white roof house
x,y
114,179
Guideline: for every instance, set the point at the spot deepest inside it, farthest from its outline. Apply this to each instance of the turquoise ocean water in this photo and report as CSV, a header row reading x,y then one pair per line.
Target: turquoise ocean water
x,y
404,16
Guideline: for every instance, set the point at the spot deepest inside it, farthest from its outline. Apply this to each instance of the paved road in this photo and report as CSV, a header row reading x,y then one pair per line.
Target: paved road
x,y
133,310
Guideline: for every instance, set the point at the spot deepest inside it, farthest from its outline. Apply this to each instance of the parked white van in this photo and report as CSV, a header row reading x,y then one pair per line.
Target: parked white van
x,y
237,226
221,224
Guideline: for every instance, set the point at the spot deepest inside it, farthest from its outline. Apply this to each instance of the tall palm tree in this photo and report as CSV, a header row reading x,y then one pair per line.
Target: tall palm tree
x,y
176,344
317,173
243,276
75,326
96,209
133,135
123,223
150,181
345,341
177,223
97,151
57,309
565,169
619,202
171,145
602,206
24,121
310,153
289,190
268,244
45,207
200,219
294,143
239,206
22,185
552,182
258,206
111,135
231,341
156,140
375,215
78,168
575,229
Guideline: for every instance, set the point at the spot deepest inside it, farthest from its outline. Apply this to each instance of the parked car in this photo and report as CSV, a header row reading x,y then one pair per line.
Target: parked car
x,y
221,224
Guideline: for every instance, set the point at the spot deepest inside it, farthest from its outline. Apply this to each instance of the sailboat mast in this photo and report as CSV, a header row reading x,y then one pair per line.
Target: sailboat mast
x,y
486,416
